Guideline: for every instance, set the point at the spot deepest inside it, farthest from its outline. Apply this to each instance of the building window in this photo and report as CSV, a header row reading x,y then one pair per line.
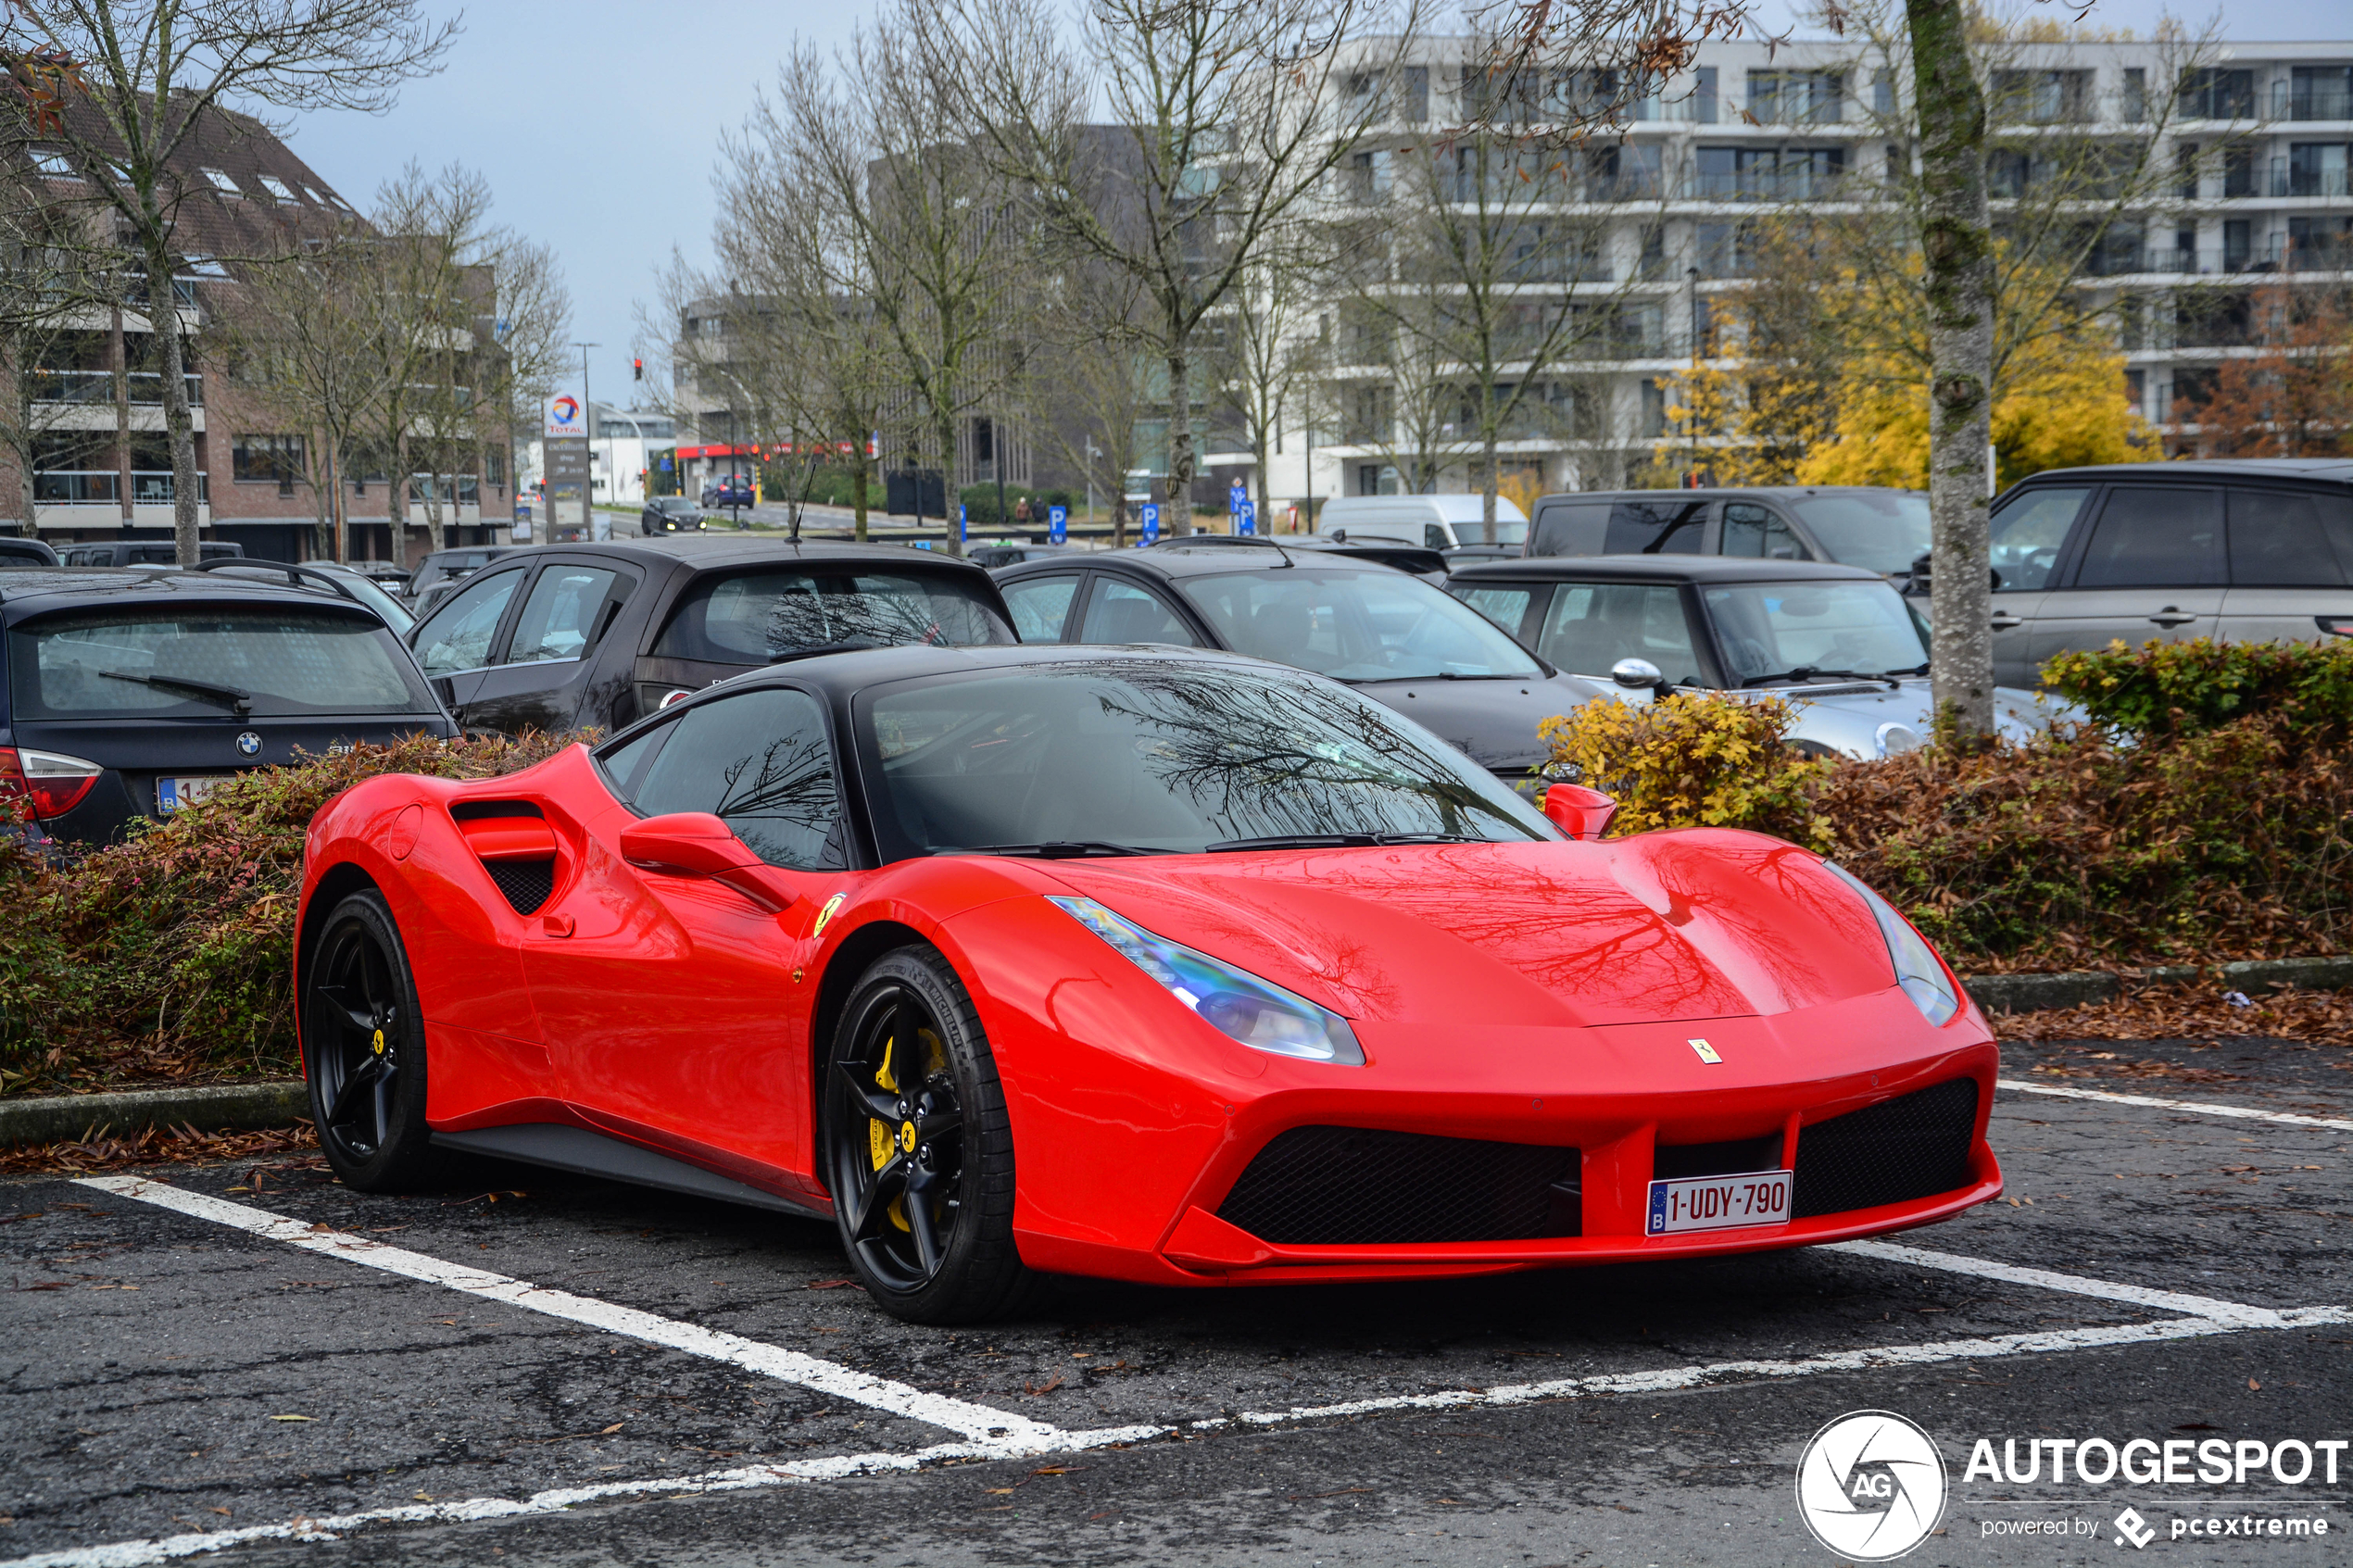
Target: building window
x,y
267,458
1417,94
277,188
1703,95
494,467
2042,98
2136,95
1882,91
54,164
1797,97
1654,409
2218,95
221,182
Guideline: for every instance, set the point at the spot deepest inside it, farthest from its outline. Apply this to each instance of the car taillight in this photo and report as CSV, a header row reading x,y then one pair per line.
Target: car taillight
x,y
2335,625
48,783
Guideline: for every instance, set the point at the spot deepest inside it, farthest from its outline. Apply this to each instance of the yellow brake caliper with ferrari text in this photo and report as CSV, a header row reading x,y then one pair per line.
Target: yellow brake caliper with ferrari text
x,y
880,1135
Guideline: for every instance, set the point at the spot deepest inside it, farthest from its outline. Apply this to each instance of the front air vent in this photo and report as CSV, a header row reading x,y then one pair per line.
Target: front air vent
x,y
1339,1186
1913,1146
516,847
1737,1158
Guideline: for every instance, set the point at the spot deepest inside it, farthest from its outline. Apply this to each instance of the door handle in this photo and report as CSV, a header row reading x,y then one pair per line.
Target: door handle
x,y
2170,617
2003,621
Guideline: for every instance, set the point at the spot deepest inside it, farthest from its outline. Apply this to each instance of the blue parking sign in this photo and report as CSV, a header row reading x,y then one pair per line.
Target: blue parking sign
x,y
1246,517
1152,525
1057,524
962,531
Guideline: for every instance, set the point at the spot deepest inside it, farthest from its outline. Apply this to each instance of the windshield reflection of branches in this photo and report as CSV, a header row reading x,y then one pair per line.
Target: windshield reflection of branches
x,y
1262,758
781,802
815,613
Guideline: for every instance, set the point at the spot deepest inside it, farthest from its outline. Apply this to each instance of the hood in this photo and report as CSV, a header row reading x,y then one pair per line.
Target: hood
x,y
1491,722
1847,715
1702,923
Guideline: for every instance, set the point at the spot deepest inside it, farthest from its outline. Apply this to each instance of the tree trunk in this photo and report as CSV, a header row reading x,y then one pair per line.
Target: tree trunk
x,y
948,498
1957,248
163,320
1180,442
858,470
1487,484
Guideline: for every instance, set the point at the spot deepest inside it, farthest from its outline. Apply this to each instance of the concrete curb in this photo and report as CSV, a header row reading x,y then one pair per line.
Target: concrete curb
x,y
60,1118
2026,993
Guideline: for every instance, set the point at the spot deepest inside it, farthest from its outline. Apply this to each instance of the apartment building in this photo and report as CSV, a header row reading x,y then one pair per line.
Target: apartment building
x,y
93,413
2254,139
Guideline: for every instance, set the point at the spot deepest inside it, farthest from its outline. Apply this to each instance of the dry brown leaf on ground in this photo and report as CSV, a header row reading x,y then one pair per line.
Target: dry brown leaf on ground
x,y
2185,1012
156,1146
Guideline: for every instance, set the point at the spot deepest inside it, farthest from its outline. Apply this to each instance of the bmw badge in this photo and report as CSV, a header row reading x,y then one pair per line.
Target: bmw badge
x,y
249,744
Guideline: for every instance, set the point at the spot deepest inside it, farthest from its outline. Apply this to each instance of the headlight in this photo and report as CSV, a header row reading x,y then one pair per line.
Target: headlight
x,y
1263,1016
1916,970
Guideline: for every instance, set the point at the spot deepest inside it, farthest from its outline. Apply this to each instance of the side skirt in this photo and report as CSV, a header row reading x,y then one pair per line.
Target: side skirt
x,y
585,1153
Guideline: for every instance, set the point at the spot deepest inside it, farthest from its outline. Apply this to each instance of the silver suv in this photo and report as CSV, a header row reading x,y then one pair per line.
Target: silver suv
x,y
2259,550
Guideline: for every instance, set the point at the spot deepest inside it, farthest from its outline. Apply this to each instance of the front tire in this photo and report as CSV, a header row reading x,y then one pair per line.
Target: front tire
x,y
919,1148
363,1050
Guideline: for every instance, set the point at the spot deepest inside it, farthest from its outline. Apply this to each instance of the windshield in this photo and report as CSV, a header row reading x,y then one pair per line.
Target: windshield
x,y
194,661
1357,625
759,617
1768,629
1163,755
1882,530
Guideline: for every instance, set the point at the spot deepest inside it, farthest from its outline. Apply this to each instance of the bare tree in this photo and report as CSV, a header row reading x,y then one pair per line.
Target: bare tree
x,y
52,277
1266,350
145,75
1227,119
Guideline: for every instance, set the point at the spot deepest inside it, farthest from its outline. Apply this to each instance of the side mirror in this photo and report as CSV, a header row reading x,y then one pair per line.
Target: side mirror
x,y
696,844
1637,673
684,844
1581,813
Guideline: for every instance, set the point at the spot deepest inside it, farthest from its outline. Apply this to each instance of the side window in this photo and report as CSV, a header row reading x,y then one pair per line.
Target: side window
x,y
1654,528
1506,607
561,613
1120,612
2155,537
1592,625
1040,607
2291,539
2028,535
1574,528
1757,532
1434,536
761,762
621,764
457,638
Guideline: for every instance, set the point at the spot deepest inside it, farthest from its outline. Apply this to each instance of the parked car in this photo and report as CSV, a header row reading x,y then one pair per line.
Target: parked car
x,y
2243,551
133,694
669,514
326,577
727,490
26,552
391,575
1171,968
1401,640
142,552
571,636
1837,641
1003,554
1884,531
1434,523
442,570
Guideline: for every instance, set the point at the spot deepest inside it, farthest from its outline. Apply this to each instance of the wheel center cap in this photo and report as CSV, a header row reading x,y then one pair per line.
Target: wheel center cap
x,y
377,1045
907,1136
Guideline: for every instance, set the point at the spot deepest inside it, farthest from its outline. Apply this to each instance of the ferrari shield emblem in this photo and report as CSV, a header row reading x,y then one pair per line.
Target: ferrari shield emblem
x,y
1706,1052
827,914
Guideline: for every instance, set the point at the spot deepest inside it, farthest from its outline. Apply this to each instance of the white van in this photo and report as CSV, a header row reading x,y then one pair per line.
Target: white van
x,y
1434,523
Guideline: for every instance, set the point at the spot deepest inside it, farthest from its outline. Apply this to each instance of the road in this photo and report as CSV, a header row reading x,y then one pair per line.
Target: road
x,y
262,1361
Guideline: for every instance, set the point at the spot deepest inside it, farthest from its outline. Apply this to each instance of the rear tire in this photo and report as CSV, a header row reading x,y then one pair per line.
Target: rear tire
x,y
363,1050
919,1148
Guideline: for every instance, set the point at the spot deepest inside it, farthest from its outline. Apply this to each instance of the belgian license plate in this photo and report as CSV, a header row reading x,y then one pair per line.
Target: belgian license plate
x,y
1717,1203
173,793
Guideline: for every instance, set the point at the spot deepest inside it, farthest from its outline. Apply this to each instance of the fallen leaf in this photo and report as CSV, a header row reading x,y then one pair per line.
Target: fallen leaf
x,y
294,1418
1000,1491
1061,1469
608,1431
833,1284
424,1497
2257,1386
222,1512
1035,1389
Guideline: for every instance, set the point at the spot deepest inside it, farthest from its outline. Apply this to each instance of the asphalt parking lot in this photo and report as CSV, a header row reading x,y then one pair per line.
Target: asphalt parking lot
x,y
534,1368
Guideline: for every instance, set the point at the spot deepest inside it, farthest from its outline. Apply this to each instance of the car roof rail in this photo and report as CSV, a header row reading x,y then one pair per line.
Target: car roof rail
x,y
1183,540
296,576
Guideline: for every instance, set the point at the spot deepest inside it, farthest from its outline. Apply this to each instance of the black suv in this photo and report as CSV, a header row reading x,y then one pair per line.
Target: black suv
x,y
142,552
1387,631
129,693
669,514
2251,551
575,636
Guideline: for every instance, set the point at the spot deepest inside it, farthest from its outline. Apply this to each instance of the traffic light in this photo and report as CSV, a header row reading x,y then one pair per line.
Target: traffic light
x,y
638,366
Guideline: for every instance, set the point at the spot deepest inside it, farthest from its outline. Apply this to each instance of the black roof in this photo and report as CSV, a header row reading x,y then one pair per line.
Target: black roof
x,y
39,590
2205,470
1188,558
1659,569
1708,491
706,554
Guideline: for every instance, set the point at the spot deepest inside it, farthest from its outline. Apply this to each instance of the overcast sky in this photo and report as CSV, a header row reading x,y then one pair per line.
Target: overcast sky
x,y
597,122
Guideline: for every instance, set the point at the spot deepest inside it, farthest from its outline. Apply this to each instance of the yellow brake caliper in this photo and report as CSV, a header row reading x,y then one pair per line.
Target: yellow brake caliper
x,y
881,1137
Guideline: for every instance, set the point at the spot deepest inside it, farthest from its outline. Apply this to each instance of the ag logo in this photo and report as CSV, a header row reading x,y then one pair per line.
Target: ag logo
x,y
1871,1486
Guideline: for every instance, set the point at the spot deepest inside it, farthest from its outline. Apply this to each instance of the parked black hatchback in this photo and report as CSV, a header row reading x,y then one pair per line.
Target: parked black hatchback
x,y
130,694
575,636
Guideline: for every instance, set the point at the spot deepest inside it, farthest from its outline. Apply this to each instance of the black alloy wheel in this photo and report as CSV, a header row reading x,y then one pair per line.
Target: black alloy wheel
x,y
920,1155
364,1051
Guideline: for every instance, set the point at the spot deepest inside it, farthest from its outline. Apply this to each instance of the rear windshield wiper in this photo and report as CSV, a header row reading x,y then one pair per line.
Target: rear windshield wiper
x,y
1055,849
236,699
1814,672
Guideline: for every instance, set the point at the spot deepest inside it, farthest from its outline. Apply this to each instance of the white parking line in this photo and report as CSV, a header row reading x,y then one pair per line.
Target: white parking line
x,y
977,1423
2336,1123
1005,1437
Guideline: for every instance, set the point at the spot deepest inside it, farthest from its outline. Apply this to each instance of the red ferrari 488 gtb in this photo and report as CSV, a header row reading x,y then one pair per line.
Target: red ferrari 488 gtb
x,y
1156,965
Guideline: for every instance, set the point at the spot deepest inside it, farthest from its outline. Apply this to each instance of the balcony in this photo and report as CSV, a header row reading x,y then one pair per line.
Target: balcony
x,y
154,487
146,389
97,388
77,487
2288,181
2297,101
